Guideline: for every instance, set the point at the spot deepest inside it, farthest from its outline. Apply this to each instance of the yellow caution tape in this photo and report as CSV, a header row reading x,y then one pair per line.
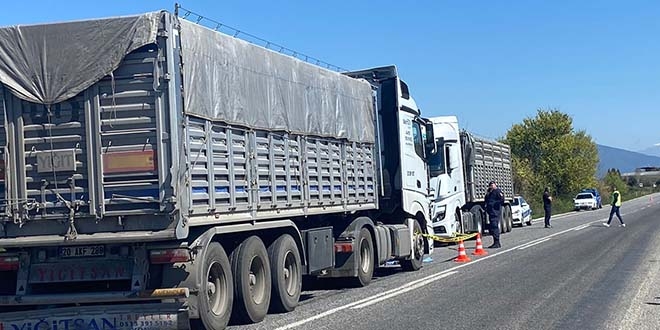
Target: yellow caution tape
x,y
455,238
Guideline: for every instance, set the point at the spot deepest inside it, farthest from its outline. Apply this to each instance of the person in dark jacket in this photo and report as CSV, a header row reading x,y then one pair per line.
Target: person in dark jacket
x,y
494,200
547,206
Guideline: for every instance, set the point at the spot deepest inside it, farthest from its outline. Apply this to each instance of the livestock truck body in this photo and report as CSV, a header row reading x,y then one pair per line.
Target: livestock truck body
x,y
157,174
460,172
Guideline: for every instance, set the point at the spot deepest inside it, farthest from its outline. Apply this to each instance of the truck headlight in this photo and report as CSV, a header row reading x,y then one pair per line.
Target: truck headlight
x,y
440,212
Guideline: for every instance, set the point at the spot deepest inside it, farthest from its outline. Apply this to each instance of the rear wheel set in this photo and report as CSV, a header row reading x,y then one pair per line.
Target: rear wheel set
x,y
251,281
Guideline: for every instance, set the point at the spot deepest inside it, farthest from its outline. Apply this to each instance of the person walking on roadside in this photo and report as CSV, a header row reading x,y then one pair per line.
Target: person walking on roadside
x,y
494,200
547,206
616,204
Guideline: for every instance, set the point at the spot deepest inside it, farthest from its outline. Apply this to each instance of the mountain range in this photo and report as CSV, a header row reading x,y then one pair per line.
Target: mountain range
x,y
625,160
653,151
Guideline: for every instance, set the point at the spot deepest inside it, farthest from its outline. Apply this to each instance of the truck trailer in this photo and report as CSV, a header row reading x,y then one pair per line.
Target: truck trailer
x,y
157,174
460,172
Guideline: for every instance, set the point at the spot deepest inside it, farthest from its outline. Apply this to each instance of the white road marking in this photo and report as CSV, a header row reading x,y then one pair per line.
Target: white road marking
x,y
427,279
535,243
581,227
531,242
410,288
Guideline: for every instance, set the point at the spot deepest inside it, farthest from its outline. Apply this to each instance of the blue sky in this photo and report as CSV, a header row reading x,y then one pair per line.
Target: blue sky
x,y
491,63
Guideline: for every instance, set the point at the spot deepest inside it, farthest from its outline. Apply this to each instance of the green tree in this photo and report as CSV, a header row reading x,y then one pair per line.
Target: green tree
x,y
613,179
547,151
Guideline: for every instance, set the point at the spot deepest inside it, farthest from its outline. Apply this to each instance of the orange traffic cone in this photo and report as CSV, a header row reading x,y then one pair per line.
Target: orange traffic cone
x,y
462,256
479,251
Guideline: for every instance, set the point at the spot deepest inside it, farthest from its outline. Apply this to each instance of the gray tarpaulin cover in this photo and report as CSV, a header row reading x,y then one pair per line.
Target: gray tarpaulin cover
x,y
232,80
225,78
50,63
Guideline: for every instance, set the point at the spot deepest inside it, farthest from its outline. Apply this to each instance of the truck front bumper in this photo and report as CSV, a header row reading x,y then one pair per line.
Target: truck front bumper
x,y
157,316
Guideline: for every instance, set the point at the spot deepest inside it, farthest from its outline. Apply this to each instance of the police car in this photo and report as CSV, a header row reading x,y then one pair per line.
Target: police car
x,y
522,213
585,201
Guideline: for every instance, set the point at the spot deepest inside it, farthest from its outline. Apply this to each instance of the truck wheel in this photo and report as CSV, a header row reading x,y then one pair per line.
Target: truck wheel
x,y
417,258
286,274
508,219
216,290
477,215
459,223
252,281
364,257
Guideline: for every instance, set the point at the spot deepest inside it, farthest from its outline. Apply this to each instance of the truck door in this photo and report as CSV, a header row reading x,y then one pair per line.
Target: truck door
x,y
413,164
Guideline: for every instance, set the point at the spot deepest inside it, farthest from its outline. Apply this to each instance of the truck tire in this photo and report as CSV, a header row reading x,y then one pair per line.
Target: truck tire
x,y
252,281
364,258
417,258
508,218
478,215
216,290
286,274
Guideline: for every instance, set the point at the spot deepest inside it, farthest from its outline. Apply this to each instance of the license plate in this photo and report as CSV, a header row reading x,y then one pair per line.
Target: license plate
x,y
56,161
81,271
82,251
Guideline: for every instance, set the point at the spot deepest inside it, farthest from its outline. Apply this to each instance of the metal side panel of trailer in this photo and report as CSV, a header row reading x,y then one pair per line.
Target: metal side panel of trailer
x,y
237,174
488,161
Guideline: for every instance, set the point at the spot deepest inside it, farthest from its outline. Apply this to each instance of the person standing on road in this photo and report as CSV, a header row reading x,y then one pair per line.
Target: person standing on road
x,y
547,206
494,200
616,204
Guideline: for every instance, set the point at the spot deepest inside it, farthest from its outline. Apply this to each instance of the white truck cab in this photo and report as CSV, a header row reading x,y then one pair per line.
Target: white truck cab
x,y
459,171
446,173
402,157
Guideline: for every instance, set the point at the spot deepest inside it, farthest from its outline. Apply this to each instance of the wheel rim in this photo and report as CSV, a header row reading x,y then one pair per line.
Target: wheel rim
x,y
365,255
257,280
217,289
291,273
418,246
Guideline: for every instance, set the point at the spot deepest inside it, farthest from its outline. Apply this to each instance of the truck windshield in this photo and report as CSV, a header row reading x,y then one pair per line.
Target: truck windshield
x,y
437,162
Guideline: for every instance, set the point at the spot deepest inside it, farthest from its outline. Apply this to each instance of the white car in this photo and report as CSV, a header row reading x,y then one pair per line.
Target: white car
x,y
585,201
522,213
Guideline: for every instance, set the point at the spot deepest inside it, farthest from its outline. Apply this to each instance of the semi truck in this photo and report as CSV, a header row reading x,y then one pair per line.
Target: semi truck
x,y
460,171
158,174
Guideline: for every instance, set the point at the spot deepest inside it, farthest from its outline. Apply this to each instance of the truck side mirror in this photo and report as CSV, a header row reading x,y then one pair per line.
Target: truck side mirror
x,y
429,144
453,156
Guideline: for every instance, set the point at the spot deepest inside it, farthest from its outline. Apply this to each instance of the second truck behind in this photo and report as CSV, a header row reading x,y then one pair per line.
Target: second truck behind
x,y
460,172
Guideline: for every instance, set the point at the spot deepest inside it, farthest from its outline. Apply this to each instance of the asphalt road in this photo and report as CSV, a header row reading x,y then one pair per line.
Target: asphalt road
x,y
577,275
